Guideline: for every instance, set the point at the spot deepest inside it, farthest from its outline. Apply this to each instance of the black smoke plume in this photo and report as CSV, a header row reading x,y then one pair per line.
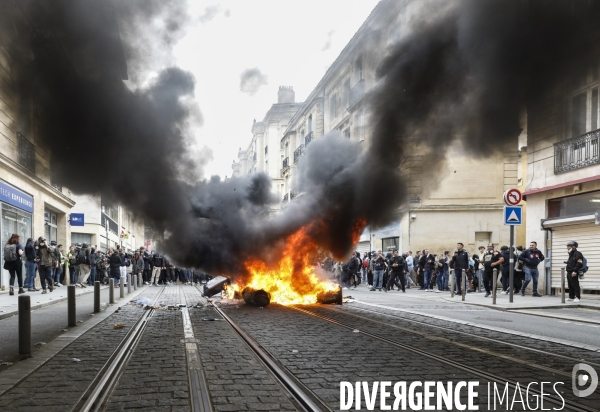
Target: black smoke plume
x,y
462,75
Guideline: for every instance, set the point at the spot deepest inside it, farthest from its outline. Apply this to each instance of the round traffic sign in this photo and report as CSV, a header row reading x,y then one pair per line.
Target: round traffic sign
x,y
513,197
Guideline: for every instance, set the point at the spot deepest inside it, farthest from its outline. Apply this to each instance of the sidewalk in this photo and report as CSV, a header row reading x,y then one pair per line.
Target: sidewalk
x,y
9,305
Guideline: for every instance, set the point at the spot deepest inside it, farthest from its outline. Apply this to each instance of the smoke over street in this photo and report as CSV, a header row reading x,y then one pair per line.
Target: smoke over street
x,y
463,74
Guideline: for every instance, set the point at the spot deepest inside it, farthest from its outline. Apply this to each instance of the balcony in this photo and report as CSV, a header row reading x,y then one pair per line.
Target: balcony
x,y
26,153
285,198
266,150
298,152
309,138
254,158
357,92
576,153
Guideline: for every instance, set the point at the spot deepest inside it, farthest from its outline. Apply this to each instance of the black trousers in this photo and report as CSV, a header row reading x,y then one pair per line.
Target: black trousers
x,y
369,277
146,275
46,276
488,280
393,280
16,270
574,289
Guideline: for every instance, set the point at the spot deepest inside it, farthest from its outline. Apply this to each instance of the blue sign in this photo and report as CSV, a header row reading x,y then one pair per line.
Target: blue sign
x,y
77,219
13,196
513,215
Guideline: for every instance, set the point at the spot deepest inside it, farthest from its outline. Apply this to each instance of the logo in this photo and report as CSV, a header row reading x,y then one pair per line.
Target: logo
x,y
584,375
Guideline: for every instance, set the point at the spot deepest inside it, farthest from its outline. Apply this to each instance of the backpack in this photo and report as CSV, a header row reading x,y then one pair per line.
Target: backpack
x,y
365,263
81,257
10,253
584,267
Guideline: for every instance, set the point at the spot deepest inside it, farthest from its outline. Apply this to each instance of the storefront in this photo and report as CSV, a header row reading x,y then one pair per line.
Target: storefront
x,y
17,217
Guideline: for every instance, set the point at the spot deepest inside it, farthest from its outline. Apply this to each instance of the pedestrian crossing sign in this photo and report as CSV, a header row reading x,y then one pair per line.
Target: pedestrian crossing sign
x,y
513,215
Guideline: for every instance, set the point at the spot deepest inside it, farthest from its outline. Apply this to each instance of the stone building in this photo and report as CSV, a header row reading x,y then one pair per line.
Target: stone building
x,y
264,153
31,204
100,223
562,176
434,215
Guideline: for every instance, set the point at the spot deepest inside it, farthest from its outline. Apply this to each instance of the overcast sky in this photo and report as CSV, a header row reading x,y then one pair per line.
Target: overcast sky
x,y
273,43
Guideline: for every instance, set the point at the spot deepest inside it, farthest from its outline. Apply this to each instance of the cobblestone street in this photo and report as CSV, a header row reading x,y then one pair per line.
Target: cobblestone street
x,y
319,346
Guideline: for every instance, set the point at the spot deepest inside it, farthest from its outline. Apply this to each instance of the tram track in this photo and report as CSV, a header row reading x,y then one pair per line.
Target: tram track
x,y
419,351
97,394
302,395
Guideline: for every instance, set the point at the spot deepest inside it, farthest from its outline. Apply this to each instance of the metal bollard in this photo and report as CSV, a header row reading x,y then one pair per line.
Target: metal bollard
x,y
134,280
129,279
111,291
452,280
464,284
562,284
140,280
495,281
96,296
71,306
24,325
122,288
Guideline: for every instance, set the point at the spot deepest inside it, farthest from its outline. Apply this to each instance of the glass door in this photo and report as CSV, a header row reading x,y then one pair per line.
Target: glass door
x,y
13,221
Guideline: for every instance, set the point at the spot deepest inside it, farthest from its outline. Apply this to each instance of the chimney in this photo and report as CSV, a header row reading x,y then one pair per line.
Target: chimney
x,y
286,95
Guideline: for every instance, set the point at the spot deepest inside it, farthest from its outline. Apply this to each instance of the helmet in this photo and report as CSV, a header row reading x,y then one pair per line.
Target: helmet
x,y
53,243
572,243
84,245
78,245
41,239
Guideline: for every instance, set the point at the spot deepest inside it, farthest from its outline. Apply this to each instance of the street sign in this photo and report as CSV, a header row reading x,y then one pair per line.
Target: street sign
x,y
513,215
513,197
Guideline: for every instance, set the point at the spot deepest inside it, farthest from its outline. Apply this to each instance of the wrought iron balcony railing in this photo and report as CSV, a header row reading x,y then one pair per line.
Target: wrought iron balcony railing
x,y
298,152
293,194
286,162
309,138
285,198
254,158
578,152
357,91
266,150
26,151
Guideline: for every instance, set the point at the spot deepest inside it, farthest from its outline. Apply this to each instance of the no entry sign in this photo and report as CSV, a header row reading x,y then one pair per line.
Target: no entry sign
x,y
512,197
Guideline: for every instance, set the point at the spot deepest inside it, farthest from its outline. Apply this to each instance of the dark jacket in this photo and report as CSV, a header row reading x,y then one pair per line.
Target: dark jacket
x,y
86,253
30,251
575,261
506,255
532,258
147,259
430,262
461,259
138,265
352,265
115,262
378,263
400,261
93,259
158,261
422,262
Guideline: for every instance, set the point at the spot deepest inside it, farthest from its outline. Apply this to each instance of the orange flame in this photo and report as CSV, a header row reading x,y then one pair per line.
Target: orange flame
x,y
294,279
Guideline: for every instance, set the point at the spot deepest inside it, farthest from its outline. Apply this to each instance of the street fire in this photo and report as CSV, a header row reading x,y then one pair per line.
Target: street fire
x,y
294,280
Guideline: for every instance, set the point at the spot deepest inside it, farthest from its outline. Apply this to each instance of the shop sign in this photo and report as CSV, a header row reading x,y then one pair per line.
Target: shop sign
x,y
77,219
15,197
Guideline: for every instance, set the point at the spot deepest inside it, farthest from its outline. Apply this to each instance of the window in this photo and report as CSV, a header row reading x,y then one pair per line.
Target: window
x,y
358,69
81,238
347,133
110,210
584,101
332,106
309,124
585,203
346,88
50,225
389,244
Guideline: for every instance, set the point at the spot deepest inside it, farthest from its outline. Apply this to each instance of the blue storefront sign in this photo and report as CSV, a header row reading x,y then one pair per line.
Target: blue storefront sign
x,y
77,219
15,197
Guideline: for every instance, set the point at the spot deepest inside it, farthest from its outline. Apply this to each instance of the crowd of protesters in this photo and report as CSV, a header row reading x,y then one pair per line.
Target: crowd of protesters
x,y
84,264
431,271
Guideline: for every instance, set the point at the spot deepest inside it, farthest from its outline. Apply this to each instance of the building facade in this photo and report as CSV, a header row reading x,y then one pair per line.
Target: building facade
x,y
265,151
434,215
104,225
562,184
30,203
